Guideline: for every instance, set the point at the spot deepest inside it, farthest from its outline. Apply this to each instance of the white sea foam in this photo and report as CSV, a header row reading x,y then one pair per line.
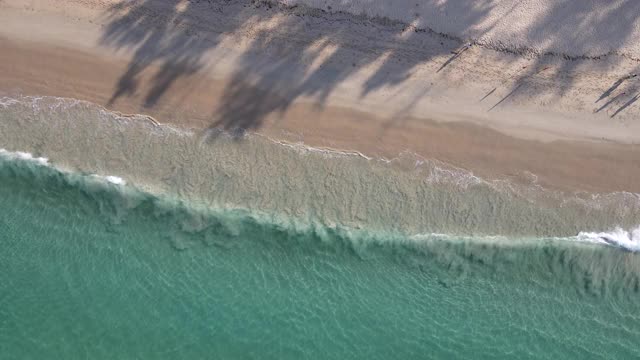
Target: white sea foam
x,y
115,180
459,177
628,240
55,103
23,156
111,179
302,148
5,102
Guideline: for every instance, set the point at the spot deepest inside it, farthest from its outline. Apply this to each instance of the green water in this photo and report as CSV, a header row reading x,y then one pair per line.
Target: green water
x,y
93,270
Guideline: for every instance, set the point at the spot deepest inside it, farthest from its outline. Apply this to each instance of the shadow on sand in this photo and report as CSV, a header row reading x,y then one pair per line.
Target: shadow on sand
x,y
289,60
175,36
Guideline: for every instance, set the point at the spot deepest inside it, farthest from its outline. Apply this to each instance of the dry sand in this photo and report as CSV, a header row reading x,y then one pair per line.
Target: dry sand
x,y
334,80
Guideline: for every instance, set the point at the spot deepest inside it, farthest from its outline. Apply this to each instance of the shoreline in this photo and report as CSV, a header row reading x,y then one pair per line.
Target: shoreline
x,y
556,142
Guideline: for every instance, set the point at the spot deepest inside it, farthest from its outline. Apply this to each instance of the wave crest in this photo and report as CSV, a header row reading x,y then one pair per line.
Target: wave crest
x,y
619,237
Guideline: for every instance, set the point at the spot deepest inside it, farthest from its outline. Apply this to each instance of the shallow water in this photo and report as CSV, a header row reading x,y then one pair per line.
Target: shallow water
x,y
408,193
234,263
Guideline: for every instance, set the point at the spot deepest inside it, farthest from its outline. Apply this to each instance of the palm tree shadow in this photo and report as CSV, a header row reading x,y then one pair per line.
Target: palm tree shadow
x,y
163,35
626,105
304,56
611,101
611,89
456,55
171,39
488,94
506,97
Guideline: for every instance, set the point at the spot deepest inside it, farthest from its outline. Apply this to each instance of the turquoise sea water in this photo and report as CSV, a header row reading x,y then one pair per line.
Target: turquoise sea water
x,y
91,269
247,248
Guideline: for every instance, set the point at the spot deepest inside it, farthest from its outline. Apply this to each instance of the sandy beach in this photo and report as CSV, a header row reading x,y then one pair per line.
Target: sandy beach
x,y
333,79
